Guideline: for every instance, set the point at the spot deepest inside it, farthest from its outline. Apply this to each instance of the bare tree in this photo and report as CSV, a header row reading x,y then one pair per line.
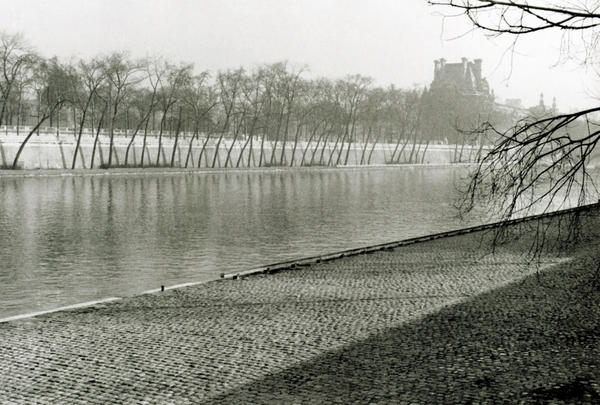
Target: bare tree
x,y
54,79
229,88
154,76
198,98
86,78
121,74
291,84
253,98
213,98
239,119
524,17
15,58
354,91
541,163
177,130
98,129
144,102
172,79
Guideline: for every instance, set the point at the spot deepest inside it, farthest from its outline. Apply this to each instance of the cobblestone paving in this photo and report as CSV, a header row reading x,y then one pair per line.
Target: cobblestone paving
x,y
436,322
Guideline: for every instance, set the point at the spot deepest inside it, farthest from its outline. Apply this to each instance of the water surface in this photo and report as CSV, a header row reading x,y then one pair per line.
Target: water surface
x,y
66,240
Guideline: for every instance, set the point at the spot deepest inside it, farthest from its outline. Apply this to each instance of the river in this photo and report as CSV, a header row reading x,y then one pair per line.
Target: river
x,y
70,239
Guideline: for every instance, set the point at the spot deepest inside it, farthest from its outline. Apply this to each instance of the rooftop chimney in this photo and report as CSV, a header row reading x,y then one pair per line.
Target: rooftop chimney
x,y
477,69
436,69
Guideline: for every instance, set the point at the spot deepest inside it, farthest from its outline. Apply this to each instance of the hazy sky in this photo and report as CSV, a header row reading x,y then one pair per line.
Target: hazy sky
x,y
393,41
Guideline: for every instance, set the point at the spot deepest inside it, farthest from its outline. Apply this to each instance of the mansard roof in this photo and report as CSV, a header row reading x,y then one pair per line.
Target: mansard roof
x,y
464,76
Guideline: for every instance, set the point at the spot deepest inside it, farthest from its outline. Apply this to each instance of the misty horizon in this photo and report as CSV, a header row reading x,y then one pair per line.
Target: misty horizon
x,y
393,44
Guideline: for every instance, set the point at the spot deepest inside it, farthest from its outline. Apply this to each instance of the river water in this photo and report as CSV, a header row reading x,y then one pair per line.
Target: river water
x,y
66,240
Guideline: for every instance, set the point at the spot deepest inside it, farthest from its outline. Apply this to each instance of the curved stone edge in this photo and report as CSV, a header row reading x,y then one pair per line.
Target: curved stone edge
x,y
59,309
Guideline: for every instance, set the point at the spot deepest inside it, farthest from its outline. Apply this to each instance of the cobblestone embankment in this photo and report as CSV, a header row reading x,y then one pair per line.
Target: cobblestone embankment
x,y
434,322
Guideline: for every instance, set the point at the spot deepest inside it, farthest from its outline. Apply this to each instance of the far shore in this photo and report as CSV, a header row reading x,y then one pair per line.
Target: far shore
x,y
120,171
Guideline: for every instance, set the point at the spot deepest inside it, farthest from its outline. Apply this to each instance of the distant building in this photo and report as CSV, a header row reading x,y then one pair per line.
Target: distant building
x,y
457,101
511,107
466,77
514,103
541,109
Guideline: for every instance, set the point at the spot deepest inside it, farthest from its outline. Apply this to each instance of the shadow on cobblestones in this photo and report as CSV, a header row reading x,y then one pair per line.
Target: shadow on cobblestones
x,y
534,340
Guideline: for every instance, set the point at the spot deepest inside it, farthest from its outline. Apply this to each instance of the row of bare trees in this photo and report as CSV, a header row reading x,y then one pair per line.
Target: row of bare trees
x,y
274,103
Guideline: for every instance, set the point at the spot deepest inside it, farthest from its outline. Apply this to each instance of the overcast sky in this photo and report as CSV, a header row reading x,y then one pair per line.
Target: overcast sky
x,y
393,41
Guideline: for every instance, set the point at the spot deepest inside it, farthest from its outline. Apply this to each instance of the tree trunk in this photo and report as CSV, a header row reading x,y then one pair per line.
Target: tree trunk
x,y
480,151
262,149
373,147
402,150
160,134
412,151
248,141
203,148
325,142
144,141
287,127
337,139
417,153
455,152
241,154
19,111
424,152
216,153
111,132
40,122
189,154
225,127
176,138
295,144
316,149
97,135
135,132
462,146
74,122
352,134
78,141
339,156
308,143
272,160
395,149
251,153
236,133
81,125
3,110
364,149
58,122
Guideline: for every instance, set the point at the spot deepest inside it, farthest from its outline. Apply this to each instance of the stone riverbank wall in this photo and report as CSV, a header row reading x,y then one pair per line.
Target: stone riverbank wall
x,y
50,150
